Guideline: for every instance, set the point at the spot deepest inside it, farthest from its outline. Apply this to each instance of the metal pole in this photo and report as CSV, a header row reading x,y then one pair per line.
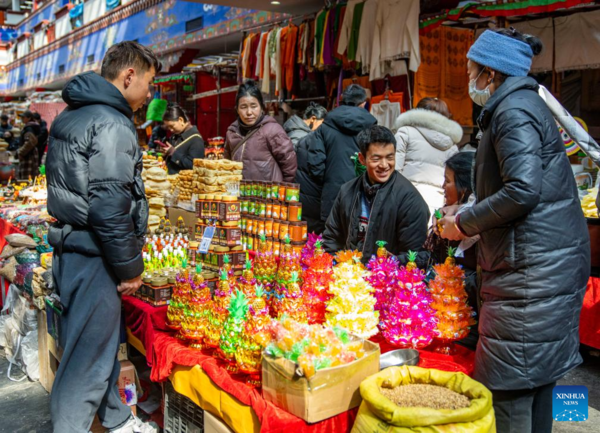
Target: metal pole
x,y
219,101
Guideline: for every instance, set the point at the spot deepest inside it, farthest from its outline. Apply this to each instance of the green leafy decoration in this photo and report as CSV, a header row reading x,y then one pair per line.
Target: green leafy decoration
x,y
318,245
412,256
223,275
248,264
359,169
43,170
238,308
287,240
451,251
263,238
260,291
438,214
199,268
226,259
294,277
342,334
381,244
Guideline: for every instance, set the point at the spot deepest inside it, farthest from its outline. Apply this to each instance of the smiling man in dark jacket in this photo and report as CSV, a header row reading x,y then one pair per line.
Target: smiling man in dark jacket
x,y
96,193
332,146
381,205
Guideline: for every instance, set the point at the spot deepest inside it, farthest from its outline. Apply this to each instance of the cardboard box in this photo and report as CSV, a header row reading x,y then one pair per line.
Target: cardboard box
x,y
126,384
122,354
157,296
329,392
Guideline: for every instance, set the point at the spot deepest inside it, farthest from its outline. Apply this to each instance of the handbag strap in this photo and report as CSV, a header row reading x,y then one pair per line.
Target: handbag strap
x,y
241,143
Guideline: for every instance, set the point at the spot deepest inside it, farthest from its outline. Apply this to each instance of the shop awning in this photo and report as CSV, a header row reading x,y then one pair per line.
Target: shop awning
x,y
498,8
292,7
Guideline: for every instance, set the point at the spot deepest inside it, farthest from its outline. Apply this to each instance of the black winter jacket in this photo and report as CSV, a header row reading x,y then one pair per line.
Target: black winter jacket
x,y
186,147
310,190
296,129
331,148
94,170
534,249
399,216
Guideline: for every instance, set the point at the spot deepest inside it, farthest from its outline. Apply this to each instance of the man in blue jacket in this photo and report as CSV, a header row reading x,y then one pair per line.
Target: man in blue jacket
x,y
96,193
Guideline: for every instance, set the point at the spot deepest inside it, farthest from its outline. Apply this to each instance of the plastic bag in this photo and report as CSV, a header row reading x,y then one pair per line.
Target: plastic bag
x,y
29,355
378,414
20,240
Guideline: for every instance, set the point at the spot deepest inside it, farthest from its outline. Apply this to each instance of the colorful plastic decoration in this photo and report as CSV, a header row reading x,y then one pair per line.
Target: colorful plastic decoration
x,y
353,304
410,320
453,313
233,329
254,338
312,347
287,296
195,322
265,267
317,278
384,277
219,311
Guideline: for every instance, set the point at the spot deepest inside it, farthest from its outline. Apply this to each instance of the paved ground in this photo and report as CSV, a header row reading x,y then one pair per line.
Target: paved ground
x,y
24,405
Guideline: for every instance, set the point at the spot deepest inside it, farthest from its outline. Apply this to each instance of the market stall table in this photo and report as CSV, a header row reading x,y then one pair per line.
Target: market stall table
x,y
205,380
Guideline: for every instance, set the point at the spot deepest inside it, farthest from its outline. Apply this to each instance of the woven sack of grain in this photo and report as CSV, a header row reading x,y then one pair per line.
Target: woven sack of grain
x,y
377,414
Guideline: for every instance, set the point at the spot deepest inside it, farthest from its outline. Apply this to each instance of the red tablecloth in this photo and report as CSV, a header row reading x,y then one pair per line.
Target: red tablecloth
x,y
164,352
145,322
589,325
6,228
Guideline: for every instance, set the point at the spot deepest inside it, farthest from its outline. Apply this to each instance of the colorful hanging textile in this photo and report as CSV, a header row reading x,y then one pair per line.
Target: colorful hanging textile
x,y
442,73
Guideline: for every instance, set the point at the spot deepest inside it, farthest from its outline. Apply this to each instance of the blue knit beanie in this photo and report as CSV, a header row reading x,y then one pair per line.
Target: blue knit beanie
x,y
502,53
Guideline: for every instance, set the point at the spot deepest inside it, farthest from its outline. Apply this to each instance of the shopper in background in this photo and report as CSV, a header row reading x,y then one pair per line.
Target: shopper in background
x,y
43,137
534,249
380,205
297,128
332,146
96,193
159,133
6,131
27,153
186,143
310,191
257,140
457,186
426,137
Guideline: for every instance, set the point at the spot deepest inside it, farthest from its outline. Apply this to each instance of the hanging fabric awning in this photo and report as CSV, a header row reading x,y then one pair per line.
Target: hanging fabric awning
x,y
173,78
504,8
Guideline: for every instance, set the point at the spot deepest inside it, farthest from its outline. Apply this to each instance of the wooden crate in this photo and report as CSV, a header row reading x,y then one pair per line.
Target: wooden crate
x,y
49,353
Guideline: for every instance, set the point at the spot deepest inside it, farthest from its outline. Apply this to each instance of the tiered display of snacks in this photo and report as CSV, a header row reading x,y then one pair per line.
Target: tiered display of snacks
x,y
223,213
272,209
185,185
216,176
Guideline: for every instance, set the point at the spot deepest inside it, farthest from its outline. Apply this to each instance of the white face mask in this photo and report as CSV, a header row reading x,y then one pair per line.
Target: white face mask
x,y
480,97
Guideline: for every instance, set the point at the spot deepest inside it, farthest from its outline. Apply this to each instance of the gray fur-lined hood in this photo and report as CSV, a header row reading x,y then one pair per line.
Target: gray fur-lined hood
x,y
437,129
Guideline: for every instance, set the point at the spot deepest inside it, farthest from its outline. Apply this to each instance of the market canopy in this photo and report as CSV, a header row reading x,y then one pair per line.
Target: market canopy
x,y
293,7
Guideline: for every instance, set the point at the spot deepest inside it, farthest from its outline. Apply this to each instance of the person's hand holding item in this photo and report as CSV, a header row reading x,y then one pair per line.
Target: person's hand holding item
x,y
129,287
449,230
166,147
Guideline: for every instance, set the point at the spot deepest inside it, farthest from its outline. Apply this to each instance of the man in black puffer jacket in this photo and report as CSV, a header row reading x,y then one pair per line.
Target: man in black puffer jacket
x,y
380,205
332,146
96,193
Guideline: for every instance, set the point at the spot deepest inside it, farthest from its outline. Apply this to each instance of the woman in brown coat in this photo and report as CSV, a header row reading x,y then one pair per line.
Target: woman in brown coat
x,y
258,141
